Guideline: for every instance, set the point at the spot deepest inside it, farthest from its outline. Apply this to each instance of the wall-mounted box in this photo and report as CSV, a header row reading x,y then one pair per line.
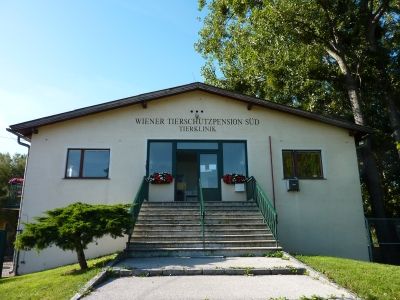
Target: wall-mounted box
x,y
293,185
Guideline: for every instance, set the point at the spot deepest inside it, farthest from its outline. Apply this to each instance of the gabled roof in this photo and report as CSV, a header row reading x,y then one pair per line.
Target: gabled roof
x,y
27,128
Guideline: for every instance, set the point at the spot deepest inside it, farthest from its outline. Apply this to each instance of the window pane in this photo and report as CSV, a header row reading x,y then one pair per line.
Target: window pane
x,y
234,158
287,164
208,171
73,163
308,164
160,159
193,145
95,163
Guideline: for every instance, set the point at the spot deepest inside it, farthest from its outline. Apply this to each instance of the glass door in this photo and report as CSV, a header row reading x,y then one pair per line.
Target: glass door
x,y
209,177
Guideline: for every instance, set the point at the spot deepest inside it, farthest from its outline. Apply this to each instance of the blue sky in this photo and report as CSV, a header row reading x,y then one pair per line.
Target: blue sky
x,y
61,55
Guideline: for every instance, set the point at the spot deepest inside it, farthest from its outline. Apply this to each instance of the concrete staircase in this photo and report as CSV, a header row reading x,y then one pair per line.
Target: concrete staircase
x,y
173,229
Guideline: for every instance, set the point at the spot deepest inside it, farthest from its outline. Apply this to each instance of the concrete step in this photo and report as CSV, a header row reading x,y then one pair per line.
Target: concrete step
x,y
197,203
209,221
170,266
199,243
200,252
195,237
197,231
163,213
196,226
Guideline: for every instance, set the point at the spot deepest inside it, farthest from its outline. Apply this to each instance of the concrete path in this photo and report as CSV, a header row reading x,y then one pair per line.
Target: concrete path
x,y
215,287
164,266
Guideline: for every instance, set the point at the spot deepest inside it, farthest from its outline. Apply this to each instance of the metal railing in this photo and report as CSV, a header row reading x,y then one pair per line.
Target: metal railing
x,y
384,239
134,210
202,212
256,193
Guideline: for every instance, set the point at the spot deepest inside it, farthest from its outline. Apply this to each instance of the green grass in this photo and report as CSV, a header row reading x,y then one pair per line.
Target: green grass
x,y
58,283
368,280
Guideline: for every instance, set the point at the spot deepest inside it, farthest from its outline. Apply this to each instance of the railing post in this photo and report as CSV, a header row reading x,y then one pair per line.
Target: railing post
x,y
202,212
134,210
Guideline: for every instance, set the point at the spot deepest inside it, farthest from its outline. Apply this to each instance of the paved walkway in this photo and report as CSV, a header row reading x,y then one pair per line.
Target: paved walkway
x,y
215,287
207,266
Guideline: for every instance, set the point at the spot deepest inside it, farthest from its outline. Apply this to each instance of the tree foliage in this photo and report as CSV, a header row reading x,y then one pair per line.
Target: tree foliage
x,y
74,227
10,167
336,57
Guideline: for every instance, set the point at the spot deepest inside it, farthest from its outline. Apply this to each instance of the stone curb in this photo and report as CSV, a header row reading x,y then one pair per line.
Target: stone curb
x,y
319,276
120,272
97,279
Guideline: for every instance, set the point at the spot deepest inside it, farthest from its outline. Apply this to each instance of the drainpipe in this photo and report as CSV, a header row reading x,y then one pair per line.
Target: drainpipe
x,y
16,253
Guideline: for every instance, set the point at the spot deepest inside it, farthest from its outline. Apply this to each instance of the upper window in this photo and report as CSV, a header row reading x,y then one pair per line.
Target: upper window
x,y
87,163
234,155
303,164
160,157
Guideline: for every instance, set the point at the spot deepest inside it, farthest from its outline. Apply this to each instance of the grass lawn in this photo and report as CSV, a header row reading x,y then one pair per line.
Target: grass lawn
x,y
367,280
59,283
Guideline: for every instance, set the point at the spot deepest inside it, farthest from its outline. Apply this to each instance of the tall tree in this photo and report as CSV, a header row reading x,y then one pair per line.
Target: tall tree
x,y
313,54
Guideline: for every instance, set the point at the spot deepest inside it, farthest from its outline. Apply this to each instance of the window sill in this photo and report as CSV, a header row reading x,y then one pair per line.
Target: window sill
x,y
75,178
322,178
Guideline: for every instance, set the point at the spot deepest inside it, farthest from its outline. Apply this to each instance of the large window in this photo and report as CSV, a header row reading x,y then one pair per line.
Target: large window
x,y
160,157
303,164
87,163
234,155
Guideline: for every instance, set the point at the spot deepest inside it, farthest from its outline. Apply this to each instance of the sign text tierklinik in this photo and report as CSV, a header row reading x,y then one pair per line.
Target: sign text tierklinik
x,y
199,124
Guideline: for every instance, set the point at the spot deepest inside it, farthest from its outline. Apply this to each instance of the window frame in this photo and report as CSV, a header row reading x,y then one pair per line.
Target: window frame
x,y
293,153
244,142
81,161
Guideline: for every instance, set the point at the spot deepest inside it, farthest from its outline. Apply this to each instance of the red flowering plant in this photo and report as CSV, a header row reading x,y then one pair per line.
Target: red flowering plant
x,y
16,181
160,178
234,178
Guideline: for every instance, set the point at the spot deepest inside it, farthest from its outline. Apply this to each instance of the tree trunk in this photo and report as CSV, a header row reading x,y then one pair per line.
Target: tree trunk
x,y
394,117
372,177
372,180
387,88
81,257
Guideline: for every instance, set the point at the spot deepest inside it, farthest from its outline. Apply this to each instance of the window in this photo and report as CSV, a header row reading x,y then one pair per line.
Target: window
x,y
196,145
160,157
87,163
234,155
303,164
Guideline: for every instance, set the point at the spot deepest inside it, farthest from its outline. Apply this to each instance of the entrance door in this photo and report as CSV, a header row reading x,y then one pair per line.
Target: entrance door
x,y
195,164
210,182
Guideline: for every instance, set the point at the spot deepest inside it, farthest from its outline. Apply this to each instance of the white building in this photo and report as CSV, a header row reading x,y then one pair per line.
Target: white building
x,y
99,154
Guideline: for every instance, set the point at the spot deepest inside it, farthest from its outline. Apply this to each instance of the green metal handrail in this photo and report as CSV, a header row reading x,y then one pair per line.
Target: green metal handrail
x,y
256,193
134,210
202,211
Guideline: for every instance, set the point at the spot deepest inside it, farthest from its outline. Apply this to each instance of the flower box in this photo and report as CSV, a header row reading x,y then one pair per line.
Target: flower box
x,y
234,178
160,178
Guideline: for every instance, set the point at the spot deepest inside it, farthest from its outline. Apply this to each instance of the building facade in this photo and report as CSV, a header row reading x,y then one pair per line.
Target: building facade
x,y
100,154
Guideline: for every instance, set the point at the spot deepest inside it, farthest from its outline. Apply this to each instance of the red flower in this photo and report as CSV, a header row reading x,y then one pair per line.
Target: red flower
x,y
16,181
160,178
234,178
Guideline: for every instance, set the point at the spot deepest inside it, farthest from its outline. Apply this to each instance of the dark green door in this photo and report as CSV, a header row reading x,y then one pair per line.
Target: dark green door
x,y
209,176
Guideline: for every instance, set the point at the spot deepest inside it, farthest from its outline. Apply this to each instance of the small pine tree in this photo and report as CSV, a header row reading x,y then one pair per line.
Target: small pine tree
x,y
74,227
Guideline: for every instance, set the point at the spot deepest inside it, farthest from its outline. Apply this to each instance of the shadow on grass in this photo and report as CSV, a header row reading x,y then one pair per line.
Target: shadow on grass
x,y
100,264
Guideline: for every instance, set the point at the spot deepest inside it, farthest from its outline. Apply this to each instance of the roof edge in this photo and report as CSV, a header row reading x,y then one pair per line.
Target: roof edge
x,y
28,127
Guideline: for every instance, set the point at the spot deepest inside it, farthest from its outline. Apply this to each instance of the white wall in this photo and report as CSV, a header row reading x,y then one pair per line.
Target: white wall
x,y
325,217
